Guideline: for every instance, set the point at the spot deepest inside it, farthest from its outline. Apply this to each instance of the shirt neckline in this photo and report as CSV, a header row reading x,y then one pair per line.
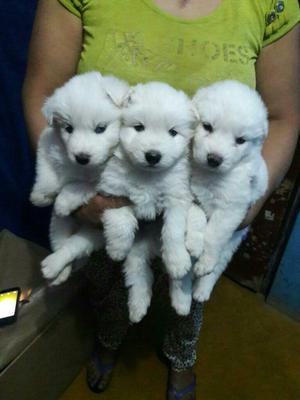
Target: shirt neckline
x,y
204,18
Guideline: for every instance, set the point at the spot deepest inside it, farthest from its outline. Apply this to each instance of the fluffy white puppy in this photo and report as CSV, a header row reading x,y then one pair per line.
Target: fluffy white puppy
x,y
82,133
228,175
151,168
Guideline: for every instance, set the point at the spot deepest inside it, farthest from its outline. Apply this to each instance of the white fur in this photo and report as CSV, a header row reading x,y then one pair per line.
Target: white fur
x,y
225,192
137,270
85,103
139,276
153,189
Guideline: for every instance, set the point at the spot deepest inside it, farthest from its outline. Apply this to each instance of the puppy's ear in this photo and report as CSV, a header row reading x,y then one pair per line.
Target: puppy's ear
x,y
266,128
128,99
50,112
262,134
115,89
95,74
195,112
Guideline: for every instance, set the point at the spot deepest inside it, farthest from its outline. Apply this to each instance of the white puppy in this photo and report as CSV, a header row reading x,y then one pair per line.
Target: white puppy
x,y
228,175
83,131
151,168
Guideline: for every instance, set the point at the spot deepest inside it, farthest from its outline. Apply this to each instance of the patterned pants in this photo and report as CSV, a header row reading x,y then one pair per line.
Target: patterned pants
x,y
108,297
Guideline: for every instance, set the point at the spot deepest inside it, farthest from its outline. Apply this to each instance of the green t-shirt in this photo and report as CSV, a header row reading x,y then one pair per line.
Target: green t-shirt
x,y
138,42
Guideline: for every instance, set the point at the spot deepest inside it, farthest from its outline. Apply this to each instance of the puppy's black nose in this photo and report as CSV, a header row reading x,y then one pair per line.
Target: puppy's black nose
x,y
82,158
153,157
214,160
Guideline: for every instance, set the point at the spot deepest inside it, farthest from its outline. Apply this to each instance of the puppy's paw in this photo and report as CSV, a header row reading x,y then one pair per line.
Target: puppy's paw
x,y
63,207
202,290
118,251
194,237
41,199
178,263
62,276
205,265
147,213
119,232
138,303
51,266
182,304
194,246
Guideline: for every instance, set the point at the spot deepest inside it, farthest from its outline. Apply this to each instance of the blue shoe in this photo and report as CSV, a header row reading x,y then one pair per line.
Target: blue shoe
x,y
103,372
180,394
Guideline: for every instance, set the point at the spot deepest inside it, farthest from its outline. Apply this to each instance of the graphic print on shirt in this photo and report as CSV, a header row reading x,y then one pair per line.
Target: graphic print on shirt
x,y
131,49
141,63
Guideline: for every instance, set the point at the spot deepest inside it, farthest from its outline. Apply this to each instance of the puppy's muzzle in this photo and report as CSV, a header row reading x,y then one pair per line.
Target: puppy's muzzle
x,y
214,160
82,158
153,157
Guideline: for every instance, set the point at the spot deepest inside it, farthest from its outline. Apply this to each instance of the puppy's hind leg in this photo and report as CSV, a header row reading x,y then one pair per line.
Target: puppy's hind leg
x,y
120,225
80,244
217,237
72,196
181,294
196,222
61,229
174,253
139,278
62,276
203,286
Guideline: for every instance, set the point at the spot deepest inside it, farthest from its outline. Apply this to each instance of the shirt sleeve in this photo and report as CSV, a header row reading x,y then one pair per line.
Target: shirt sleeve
x,y
280,17
74,6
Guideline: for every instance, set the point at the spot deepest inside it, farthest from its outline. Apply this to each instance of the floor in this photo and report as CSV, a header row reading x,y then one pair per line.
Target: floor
x,y
247,351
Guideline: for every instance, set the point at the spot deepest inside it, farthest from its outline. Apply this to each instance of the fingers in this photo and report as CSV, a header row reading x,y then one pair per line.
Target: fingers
x,y
251,214
112,202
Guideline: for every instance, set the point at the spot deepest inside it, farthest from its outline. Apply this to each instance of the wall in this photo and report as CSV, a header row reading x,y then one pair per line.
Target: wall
x,y
285,291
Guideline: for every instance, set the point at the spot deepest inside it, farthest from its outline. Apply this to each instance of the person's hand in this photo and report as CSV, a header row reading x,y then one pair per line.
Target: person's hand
x,y
91,213
251,214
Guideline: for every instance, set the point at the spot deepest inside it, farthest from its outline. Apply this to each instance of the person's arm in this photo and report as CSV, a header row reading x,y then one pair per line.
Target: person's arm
x,y
54,52
278,82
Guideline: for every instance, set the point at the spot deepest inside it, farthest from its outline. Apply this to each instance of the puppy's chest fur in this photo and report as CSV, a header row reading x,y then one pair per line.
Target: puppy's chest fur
x,y
151,192
215,190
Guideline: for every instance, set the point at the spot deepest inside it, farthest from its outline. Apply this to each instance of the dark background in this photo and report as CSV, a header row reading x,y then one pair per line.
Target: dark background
x,y
16,158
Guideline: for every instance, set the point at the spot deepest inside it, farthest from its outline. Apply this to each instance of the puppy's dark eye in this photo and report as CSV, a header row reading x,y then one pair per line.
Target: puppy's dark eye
x,y
207,126
69,128
139,127
240,140
100,129
173,132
